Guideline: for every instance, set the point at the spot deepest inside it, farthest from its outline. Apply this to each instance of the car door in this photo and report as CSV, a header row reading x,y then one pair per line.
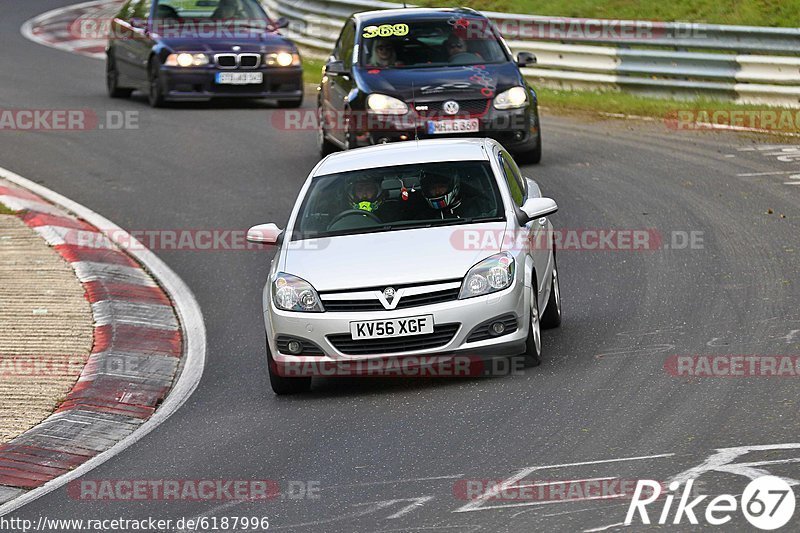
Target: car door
x,y
538,229
120,37
337,87
141,41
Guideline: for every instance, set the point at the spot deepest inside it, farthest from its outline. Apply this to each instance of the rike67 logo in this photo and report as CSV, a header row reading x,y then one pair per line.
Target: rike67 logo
x,y
767,502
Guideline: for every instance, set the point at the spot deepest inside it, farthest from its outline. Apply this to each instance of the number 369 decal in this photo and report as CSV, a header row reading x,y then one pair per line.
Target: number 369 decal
x,y
385,30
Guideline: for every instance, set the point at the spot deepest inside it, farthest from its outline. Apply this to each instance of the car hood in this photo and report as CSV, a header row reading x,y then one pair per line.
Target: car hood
x,y
257,41
434,83
391,258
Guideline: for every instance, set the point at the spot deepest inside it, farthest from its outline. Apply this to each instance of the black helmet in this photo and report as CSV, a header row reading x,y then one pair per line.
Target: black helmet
x,y
441,190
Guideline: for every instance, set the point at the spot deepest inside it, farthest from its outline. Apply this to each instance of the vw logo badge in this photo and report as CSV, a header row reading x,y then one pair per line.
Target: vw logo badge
x,y
450,107
237,48
389,293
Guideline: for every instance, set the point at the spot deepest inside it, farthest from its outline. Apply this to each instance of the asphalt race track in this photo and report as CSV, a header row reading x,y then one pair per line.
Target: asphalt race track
x,y
390,454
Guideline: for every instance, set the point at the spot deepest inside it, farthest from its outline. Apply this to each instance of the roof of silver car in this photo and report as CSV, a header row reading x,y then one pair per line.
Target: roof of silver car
x,y
405,153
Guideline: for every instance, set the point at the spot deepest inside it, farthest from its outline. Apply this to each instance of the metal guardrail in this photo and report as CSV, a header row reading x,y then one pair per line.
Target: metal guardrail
x,y
748,64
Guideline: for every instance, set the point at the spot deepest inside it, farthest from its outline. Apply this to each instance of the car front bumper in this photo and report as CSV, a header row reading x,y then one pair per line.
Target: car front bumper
x,y
200,84
326,330
513,128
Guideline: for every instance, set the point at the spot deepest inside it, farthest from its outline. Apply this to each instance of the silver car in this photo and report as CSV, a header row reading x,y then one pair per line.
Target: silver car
x,y
436,248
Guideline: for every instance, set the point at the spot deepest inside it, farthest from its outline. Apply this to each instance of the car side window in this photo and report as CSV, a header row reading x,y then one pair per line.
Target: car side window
x,y
516,185
346,43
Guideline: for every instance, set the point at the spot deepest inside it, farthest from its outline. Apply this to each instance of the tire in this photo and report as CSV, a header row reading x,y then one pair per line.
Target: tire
x,y
291,104
551,318
282,385
325,146
532,156
155,95
533,344
112,79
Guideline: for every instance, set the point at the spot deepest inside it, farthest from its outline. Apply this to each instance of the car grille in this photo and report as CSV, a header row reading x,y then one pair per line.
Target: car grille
x,y
442,334
230,61
406,302
481,332
467,108
309,348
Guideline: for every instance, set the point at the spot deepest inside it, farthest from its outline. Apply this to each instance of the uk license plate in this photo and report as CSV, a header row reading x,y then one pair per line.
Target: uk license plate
x,y
458,125
239,78
396,327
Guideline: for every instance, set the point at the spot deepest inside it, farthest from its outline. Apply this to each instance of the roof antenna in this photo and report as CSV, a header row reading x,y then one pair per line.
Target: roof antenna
x,y
413,103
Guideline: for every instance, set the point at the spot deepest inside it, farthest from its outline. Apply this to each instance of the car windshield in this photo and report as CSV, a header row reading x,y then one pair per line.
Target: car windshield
x,y
430,43
398,198
216,10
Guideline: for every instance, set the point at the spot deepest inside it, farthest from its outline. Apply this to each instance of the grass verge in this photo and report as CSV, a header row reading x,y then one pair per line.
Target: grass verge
x,y
784,13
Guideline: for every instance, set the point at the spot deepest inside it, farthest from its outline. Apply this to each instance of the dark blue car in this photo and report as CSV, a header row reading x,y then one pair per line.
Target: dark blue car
x,y
401,74
178,50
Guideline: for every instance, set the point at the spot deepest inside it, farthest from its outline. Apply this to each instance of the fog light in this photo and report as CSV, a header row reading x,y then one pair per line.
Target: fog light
x,y
518,135
294,347
497,328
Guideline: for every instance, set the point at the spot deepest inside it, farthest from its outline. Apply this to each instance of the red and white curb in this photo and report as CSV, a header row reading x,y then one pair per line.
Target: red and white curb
x,y
61,28
149,347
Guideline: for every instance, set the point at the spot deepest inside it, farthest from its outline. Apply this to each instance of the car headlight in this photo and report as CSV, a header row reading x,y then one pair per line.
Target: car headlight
x,y
386,105
185,59
282,59
511,99
291,293
493,274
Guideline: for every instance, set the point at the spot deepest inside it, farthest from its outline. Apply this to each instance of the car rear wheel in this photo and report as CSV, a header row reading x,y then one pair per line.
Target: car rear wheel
x,y
551,318
533,344
112,79
156,92
282,385
325,146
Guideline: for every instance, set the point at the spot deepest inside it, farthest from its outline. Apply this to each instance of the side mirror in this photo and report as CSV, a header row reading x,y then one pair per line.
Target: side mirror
x,y
534,208
525,59
265,234
335,68
282,22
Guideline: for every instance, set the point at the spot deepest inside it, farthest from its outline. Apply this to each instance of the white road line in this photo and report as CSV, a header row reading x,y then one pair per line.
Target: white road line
x,y
604,527
522,474
549,502
549,483
750,174
187,308
27,27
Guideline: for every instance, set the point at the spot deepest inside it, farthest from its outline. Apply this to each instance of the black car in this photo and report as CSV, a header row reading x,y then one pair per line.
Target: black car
x,y
401,74
178,50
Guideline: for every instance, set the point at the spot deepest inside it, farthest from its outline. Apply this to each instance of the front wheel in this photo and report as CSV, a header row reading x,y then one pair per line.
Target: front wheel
x,y
325,146
156,94
282,385
291,104
533,344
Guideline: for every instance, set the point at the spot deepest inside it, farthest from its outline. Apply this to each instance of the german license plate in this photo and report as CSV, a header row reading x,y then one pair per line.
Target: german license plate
x,y
239,78
458,125
396,327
